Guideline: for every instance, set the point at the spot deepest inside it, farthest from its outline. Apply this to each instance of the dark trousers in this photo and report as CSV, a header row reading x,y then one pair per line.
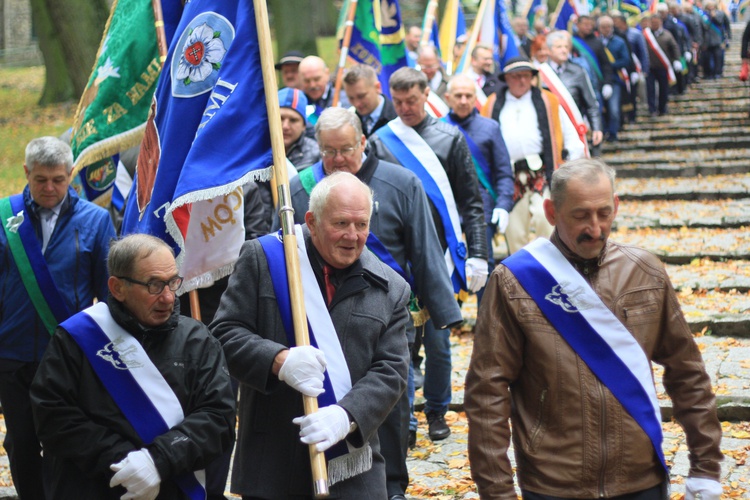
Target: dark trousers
x,y
393,434
21,441
656,493
657,77
712,59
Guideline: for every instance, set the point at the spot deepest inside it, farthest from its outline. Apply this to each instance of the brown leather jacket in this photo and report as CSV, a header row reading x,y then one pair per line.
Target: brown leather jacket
x,y
572,438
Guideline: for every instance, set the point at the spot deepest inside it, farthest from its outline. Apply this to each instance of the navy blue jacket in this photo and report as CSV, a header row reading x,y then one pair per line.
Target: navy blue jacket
x,y
487,135
76,256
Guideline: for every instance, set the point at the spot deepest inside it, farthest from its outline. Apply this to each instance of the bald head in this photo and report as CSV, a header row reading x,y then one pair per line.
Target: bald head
x,y
606,26
314,77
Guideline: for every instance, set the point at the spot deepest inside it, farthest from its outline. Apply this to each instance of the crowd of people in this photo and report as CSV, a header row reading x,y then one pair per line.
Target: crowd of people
x,y
111,390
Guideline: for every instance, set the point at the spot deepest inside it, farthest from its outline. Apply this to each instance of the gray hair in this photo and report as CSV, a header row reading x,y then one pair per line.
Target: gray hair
x,y
48,152
558,35
361,72
335,118
406,78
587,169
321,191
126,251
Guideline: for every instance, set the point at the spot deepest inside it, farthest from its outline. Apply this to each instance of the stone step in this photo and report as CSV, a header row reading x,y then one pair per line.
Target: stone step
x,y
681,141
711,187
691,168
682,246
686,160
719,131
707,274
646,123
681,213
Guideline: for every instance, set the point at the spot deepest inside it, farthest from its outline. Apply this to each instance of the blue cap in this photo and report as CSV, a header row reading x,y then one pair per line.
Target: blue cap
x,y
294,99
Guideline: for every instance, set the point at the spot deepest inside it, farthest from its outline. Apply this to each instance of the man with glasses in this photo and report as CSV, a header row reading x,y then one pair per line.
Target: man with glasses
x,y
131,399
54,247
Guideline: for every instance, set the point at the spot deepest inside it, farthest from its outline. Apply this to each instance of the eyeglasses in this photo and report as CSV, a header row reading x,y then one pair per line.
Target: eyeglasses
x,y
345,152
155,287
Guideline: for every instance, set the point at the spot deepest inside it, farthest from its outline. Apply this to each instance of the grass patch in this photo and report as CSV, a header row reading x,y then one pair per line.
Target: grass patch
x,y
22,119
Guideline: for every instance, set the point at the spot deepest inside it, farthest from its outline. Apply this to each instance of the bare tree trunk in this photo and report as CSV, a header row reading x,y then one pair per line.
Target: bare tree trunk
x,y
80,24
58,86
69,35
293,25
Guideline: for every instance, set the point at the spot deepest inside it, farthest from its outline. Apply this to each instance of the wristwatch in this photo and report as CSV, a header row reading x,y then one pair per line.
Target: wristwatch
x,y
352,426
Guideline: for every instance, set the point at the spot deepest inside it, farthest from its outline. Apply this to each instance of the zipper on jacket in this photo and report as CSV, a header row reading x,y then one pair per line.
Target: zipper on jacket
x,y
603,432
75,276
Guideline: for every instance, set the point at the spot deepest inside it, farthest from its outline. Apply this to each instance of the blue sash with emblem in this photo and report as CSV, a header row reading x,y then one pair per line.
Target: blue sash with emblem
x,y
344,460
132,380
592,330
414,153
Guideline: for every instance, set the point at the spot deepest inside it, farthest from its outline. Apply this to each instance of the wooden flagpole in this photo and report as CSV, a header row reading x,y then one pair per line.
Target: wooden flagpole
x,y
429,18
286,214
348,27
474,36
161,37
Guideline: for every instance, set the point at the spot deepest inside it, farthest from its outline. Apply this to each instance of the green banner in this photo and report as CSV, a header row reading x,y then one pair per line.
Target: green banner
x,y
112,113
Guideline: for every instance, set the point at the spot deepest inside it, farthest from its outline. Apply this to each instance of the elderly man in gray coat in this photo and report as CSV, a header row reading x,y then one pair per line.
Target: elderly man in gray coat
x,y
404,236
356,366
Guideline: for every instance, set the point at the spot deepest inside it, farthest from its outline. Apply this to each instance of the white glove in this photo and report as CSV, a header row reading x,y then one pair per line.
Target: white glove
x,y
136,473
677,65
688,56
709,489
500,218
304,369
476,273
607,91
324,428
634,78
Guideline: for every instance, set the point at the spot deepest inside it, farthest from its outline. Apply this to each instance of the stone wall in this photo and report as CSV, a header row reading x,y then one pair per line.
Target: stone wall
x,y
17,43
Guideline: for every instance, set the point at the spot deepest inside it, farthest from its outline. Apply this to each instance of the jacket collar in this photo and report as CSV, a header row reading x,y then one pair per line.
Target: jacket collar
x,y
464,122
584,266
125,319
71,198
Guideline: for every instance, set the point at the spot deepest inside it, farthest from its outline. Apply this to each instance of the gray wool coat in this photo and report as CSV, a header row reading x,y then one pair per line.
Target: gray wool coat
x,y
369,312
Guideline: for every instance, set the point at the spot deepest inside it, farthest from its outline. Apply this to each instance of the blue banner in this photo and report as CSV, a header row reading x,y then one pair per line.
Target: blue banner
x,y
208,133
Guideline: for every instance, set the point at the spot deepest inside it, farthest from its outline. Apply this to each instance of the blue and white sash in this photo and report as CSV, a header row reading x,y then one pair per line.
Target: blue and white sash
x,y
592,330
344,460
132,380
415,154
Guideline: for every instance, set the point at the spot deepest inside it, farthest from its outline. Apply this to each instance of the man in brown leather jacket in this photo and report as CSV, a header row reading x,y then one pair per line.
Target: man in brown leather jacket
x,y
572,434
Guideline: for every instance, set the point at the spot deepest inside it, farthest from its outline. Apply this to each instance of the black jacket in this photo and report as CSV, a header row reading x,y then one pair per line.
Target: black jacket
x,y
304,152
450,147
608,73
83,431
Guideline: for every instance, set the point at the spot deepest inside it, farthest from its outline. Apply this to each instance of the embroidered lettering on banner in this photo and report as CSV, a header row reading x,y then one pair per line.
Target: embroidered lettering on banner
x,y
570,300
113,353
